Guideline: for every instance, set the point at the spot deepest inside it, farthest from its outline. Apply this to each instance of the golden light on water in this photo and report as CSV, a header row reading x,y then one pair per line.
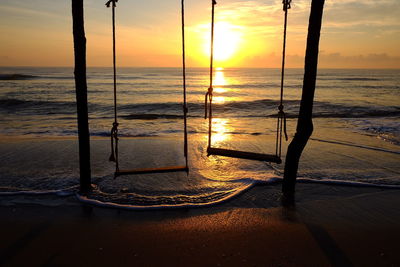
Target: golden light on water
x,y
221,129
219,99
219,80
222,92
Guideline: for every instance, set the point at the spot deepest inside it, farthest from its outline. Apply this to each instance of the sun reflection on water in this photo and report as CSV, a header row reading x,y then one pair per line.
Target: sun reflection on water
x,y
220,81
221,130
221,127
219,78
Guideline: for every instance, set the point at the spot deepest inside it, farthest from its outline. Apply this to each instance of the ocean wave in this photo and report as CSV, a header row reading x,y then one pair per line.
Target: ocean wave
x,y
12,102
58,77
336,78
263,103
12,191
16,76
346,183
257,109
18,102
358,79
121,134
139,202
387,129
365,113
39,107
151,116
264,108
136,201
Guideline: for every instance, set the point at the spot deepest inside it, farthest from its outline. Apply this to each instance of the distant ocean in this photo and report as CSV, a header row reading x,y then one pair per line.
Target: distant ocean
x,y
354,110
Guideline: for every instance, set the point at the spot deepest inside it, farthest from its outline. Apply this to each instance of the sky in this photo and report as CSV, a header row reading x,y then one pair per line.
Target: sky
x,y
355,34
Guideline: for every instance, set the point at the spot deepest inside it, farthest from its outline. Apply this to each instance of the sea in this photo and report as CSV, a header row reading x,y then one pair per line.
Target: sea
x,y
356,138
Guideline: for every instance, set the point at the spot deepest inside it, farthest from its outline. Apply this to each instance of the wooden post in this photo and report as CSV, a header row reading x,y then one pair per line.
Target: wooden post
x,y
304,123
81,95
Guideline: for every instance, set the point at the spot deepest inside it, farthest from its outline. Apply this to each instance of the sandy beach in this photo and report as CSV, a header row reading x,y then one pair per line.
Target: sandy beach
x,y
349,227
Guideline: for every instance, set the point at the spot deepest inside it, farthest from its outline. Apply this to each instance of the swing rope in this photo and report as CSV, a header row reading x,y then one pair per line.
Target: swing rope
x,y
281,123
114,129
209,93
185,108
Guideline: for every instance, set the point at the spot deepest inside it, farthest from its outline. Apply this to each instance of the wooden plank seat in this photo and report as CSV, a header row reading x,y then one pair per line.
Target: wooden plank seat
x,y
243,155
152,170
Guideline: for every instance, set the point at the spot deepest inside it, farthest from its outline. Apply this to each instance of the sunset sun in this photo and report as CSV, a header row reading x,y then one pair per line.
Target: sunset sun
x,y
227,39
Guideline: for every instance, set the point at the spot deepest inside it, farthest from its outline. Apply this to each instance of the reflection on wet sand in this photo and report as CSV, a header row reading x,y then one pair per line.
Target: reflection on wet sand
x,y
221,130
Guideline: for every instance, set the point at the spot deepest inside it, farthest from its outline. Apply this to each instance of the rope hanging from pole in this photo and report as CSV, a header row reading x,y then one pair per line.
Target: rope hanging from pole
x,y
114,129
209,94
185,109
281,123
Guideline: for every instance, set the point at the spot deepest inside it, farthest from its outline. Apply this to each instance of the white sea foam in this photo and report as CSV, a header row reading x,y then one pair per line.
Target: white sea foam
x,y
9,191
121,201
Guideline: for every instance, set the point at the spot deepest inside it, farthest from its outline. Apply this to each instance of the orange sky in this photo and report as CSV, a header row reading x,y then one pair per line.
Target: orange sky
x,y
248,33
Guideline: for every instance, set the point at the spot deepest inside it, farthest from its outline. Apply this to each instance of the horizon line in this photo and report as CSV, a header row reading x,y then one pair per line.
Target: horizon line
x,y
205,67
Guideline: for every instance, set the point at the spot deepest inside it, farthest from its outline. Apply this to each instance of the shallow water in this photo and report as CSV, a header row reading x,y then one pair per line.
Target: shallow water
x,y
356,137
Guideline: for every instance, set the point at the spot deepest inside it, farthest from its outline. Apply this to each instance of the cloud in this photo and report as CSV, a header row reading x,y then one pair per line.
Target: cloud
x,y
29,12
262,18
339,15
331,60
361,15
379,60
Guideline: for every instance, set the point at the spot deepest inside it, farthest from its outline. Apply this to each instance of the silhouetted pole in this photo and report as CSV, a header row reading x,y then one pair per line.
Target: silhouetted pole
x,y
81,95
304,123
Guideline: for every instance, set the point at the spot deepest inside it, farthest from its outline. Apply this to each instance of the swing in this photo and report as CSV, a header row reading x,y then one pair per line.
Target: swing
x,y
114,129
281,121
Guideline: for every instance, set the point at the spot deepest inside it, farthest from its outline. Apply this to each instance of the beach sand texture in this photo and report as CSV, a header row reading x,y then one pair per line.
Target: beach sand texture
x,y
353,227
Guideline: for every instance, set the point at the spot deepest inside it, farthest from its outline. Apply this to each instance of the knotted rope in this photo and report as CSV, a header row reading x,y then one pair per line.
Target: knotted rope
x,y
114,129
281,124
184,106
209,94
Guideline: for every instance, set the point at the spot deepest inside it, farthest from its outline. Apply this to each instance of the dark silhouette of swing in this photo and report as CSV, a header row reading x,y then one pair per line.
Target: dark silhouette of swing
x,y
281,121
114,130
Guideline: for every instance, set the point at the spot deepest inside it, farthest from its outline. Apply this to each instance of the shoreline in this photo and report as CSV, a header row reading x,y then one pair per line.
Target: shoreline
x,y
264,196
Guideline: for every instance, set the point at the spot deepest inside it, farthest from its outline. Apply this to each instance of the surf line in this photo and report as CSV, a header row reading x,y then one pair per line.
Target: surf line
x,y
355,145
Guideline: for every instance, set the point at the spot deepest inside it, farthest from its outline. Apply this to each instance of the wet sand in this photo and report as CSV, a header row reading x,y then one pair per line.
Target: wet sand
x,y
360,228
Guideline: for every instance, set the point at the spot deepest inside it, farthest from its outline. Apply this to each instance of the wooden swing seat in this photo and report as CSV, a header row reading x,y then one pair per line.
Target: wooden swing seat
x,y
152,170
243,155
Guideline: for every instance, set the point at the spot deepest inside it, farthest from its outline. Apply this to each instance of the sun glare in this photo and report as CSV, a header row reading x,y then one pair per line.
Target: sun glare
x,y
219,81
227,39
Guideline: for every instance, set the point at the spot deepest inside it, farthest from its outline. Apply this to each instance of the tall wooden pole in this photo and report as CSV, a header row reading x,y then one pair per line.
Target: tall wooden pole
x,y
304,123
81,95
